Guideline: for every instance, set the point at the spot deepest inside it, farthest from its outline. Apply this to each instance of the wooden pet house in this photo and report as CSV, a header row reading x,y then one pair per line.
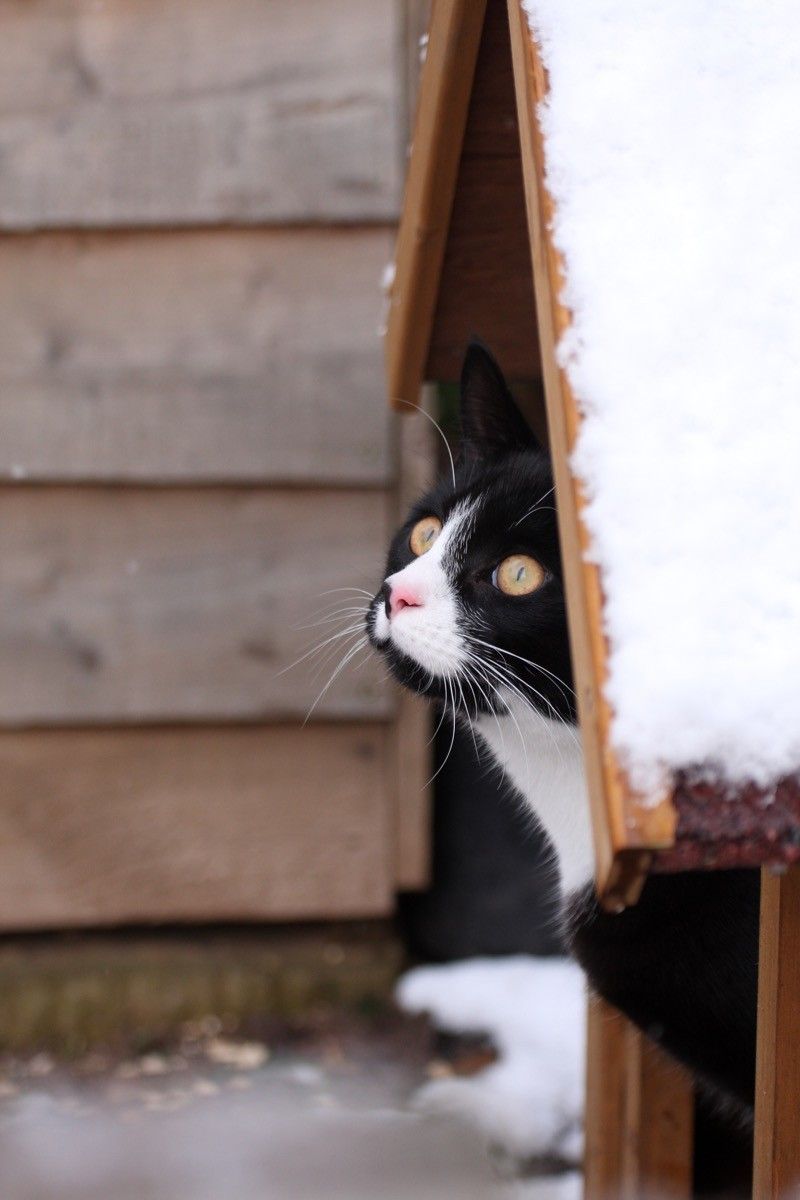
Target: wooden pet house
x,y
475,254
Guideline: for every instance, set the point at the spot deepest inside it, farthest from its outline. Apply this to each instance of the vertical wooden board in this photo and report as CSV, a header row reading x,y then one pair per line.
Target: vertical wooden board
x,y
606,1081
659,1136
625,831
176,357
143,112
639,1114
144,605
411,730
274,823
777,1123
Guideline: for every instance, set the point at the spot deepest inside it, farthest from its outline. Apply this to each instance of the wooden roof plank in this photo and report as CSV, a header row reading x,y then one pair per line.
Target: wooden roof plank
x,y
625,831
445,90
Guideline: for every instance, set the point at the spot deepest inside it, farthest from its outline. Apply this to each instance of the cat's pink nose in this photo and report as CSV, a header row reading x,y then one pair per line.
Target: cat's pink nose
x,y
400,596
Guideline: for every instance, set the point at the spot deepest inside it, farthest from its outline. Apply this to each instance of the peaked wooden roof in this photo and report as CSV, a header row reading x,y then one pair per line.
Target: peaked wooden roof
x,y
474,255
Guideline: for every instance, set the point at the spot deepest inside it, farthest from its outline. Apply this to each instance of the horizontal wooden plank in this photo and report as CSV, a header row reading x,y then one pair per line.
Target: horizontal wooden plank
x,y
138,825
246,355
168,112
152,605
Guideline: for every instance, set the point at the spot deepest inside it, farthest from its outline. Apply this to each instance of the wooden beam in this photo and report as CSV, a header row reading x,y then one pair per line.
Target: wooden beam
x,y
777,1130
639,1114
625,831
486,284
605,1101
445,89
411,743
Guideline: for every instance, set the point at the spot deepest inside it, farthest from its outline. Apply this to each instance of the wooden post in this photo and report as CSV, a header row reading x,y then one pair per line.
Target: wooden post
x,y
639,1114
777,1132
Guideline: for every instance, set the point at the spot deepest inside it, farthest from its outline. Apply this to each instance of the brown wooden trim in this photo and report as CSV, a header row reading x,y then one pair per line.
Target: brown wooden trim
x,y
605,1101
639,1114
777,1132
445,88
625,831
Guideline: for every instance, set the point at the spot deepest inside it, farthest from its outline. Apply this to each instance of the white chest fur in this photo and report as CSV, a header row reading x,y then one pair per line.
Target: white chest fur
x,y
543,759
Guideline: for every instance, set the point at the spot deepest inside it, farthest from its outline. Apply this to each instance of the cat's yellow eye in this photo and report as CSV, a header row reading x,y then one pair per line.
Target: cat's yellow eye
x,y
518,575
424,534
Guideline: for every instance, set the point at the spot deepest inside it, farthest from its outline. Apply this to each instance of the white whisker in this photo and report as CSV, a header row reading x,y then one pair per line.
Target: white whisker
x,y
339,615
536,507
360,644
320,646
439,430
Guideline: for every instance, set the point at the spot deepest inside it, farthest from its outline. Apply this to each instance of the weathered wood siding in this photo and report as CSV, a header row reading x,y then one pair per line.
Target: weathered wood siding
x,y
164,112
192,357
193,824
196,204
164,605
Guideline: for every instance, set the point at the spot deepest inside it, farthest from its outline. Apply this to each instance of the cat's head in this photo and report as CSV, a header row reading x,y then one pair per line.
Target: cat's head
x,y
472,609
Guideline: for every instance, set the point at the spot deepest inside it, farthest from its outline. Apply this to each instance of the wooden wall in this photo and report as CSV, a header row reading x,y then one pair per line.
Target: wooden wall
x,y
197,199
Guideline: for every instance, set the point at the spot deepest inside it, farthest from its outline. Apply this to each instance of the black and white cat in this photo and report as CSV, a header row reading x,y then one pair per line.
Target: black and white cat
x,y
472,614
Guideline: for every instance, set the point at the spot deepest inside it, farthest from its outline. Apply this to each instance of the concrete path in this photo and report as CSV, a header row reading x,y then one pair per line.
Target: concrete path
x,y
230,1120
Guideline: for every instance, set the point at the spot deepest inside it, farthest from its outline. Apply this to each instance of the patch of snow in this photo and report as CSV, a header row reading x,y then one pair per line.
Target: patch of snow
x,y
568,1186
388,275
673,156
529,1102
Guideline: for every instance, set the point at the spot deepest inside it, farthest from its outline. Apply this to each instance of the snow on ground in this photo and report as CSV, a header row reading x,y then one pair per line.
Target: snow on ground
x,y
673,152
530,1102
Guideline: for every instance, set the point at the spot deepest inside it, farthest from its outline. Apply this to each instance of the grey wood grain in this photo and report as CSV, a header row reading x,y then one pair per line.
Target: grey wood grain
x,y
248,355
148,605
131,112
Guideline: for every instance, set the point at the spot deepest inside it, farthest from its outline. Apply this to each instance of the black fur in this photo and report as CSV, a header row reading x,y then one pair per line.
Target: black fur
x,y
503,467
682,964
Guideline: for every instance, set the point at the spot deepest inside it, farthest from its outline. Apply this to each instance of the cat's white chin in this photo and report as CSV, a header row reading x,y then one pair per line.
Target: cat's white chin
x,y
427,637
543,759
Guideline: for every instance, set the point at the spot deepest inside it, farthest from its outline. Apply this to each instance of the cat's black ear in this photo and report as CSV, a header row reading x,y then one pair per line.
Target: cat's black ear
x,y
491,423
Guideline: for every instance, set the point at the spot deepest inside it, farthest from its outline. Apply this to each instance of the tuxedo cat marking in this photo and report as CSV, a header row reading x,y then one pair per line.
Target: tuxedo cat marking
x,y
497,658
472,614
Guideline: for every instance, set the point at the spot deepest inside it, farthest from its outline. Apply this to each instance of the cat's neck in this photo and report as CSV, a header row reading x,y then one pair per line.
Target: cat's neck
x,y
543,759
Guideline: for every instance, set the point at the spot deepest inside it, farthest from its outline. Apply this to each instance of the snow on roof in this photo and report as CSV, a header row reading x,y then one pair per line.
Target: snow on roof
x,y
672,134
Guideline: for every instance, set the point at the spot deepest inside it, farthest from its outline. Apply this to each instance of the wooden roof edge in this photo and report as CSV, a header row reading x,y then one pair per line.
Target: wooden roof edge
x,y
691,825
445,87
626,832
